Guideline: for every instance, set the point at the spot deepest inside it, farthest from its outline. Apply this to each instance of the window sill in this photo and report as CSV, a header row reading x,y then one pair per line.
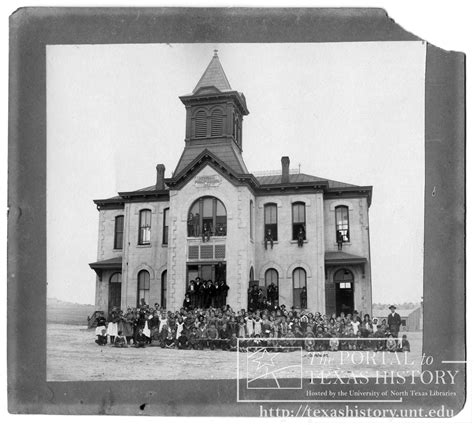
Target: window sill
x,y
199,238
118,249
343,244
296,242
144,245
274,243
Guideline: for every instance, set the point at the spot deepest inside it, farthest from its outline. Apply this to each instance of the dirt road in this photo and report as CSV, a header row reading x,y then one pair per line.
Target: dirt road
x,y
72,355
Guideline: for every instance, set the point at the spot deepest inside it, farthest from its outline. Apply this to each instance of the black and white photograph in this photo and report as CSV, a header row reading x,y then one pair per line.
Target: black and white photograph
x,y
177,247
250,215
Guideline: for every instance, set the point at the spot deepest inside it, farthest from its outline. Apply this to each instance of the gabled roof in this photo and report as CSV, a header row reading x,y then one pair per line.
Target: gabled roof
x,y
225,152
207,157
214,76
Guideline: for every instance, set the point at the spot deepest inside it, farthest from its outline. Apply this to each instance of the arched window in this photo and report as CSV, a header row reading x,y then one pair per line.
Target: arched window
x,y
272,292
200,124
118,233
271,276
342,224
144,233
164,287
143,293
271,220
207,213
251,219
217,122
251,274
300,296
115,290
166,213
299,219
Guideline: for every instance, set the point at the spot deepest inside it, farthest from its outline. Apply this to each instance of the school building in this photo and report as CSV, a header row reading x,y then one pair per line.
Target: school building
x,y
293,229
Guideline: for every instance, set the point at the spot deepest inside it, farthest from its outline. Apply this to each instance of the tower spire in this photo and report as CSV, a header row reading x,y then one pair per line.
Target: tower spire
x,y
214,76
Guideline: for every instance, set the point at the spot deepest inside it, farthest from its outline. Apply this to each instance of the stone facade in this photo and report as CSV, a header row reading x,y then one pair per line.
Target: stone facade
x,y
336,272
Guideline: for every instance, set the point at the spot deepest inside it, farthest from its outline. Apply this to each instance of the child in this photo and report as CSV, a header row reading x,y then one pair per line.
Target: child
x,y
193,342
298,334
379,344
112,327
211,336
201,335
257,325
233,342
249,326
242,328
291,340
182,342
101,329
120,341
309,343
391,344
141,339
223,336
170,338
351,343
334,340
102,338
320,343
405,345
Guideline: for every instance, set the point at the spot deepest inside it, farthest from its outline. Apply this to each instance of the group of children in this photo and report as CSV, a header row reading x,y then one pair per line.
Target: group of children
x,y
222,328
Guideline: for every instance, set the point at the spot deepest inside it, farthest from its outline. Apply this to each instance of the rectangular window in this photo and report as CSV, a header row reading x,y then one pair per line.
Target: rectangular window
x,y
342,224
118,238
299,220
144,235
165,226
300,296
143,288
271,221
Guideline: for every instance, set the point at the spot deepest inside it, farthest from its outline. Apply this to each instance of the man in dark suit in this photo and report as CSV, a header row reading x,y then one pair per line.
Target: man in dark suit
x,y
394,321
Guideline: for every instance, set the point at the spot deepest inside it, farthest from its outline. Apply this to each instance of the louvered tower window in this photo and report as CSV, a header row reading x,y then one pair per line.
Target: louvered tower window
x,y
217,122
200,124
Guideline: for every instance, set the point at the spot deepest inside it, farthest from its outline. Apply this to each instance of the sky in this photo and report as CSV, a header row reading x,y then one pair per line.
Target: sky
x,y
352,112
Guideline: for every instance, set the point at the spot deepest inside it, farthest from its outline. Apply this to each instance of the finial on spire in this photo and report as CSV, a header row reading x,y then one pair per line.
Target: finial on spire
x,y
215,53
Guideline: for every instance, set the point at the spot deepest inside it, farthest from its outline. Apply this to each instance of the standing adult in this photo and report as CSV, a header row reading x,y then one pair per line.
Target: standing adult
x,y
303,298
197,225
224,290
272,293
192,293
191,224
198,293
394,321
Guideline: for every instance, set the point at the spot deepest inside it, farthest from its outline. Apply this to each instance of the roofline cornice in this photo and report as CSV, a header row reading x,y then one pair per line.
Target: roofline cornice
x,y
190,99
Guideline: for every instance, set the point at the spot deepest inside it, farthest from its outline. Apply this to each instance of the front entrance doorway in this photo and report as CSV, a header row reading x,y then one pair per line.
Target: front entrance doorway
x,y
344,286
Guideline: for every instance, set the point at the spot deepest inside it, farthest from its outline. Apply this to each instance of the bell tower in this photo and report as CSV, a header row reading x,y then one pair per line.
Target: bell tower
x,y
214,112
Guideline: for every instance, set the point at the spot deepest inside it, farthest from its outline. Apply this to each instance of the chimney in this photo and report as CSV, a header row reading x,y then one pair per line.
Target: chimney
x,y
285,169
160,177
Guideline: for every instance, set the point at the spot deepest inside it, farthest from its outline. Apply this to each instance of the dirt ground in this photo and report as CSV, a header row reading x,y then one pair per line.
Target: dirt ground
x,y
78,358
